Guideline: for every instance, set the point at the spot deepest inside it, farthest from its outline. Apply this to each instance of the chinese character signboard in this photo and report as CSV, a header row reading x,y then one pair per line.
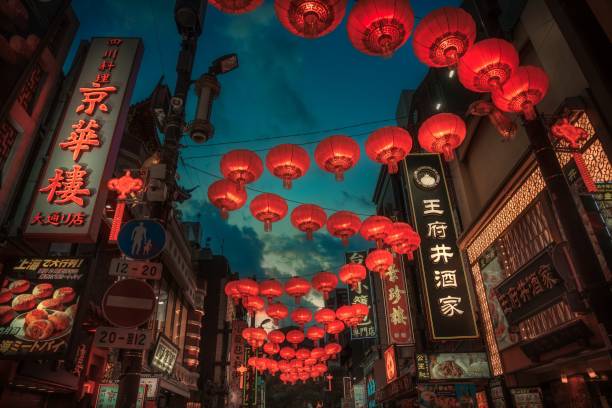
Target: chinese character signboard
x,y
237,353
363,295
38,304
69,200
390,364
164,356
397,307
447,297
527,397
107,396
446,395
530,289
359,394
445,366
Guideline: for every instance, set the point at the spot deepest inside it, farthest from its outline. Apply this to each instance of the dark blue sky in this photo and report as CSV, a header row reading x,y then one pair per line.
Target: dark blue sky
x,y
284,85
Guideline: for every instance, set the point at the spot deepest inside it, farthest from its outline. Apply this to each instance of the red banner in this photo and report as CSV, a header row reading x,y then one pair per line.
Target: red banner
x,y
399,323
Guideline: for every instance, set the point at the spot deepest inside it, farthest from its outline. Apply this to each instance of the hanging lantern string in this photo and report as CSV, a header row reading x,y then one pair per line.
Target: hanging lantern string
x,y
190,166
309,133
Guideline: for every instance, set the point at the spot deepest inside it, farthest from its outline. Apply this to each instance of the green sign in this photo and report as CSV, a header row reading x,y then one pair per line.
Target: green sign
x,y
107,396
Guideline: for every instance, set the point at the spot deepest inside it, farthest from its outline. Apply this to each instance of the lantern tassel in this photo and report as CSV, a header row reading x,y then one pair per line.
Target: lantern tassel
x,y
339,174
528,111
392,166
287,183
309,235
267,226
584,172
224,214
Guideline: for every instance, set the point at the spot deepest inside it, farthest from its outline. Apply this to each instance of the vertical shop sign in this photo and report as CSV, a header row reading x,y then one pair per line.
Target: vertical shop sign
x,y
399,318
390,364
237,357
69,200
363,295
449,303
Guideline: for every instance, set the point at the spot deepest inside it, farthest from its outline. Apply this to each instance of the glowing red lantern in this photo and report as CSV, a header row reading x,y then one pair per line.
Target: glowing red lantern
x,y
361,311
261,364
241,166
487,65
247,334
352,274
223,195
276,336
310,362
325,282
252,361
258,336
247,287
442,133
302,354
389,145
380,27
288,162
375,228
346,314
297,287
236,6
337,154
287,353
315,333
317,352
310,18
308,218
321,367
335,327
268,208
443,36
277,311
272,365
379,260
332,349
403,239
283,365
325,316
253,304
271,348
271,289
304,376
295,337
525,89
343,225
301,316
231,291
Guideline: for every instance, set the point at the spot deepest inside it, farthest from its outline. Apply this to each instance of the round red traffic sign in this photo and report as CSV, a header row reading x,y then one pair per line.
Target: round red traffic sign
x,y
128,303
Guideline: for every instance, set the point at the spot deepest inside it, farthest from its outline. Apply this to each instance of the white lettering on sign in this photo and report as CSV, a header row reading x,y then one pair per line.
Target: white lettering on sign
x,y
135,269
113,337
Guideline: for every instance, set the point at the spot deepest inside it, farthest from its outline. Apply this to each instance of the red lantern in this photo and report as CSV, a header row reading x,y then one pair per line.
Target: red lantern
x,y
380,27
325,316
241,166
288,162
261,364
276,336
302,354
335,327
287,353
332,349
268,208
343,225
325,282
310,18
317,352
321,367
308,218
389,145
283,365
271,348
301,316
247,287
297,287
272,365
277,311
258,336
304,376
337,154
487,65
295,337
346,314
315,333
443,36
310,362
505,126
442,133
223,195
231,291
236,6
525,89
352,274
375,228
403,239
253,304
379,260
271,289
361,312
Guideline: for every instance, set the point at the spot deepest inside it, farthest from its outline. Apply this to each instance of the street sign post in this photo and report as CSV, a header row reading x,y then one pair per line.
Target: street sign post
x,y
128,303
113,337
135,269
142,239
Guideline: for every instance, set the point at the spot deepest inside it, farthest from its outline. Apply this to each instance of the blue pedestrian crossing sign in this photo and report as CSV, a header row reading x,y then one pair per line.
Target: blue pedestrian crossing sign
x,y
142,239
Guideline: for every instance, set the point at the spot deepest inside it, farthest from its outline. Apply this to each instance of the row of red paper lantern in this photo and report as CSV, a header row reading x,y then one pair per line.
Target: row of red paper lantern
x,y
271,342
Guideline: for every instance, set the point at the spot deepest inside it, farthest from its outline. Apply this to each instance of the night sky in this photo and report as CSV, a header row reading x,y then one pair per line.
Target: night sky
x,y
284,85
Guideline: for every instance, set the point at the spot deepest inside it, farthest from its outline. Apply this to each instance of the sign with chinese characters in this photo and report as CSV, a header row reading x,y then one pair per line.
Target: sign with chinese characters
x,y
38,306
390,364
445,286
527,397
395,389
359,394
363,294
107,396
237,360
446,395
69,200
164,355
444,366
399,318
533,287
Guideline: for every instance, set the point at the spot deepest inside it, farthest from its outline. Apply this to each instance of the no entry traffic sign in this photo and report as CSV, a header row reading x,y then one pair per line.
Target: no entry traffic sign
x,y
128,303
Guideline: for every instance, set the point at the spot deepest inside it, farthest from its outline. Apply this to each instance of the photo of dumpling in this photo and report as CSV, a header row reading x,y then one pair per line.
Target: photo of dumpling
x,y
43,290
5,295
54,304
34,315
21,303
19,286
65,294
6,315
60,320
39,330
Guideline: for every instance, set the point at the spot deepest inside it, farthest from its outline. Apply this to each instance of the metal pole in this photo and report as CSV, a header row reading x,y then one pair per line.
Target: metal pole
x,y
129,383
584,258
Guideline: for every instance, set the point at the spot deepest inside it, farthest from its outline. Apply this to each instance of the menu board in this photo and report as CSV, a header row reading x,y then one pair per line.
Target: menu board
x,y
165,355
38,306
443,366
